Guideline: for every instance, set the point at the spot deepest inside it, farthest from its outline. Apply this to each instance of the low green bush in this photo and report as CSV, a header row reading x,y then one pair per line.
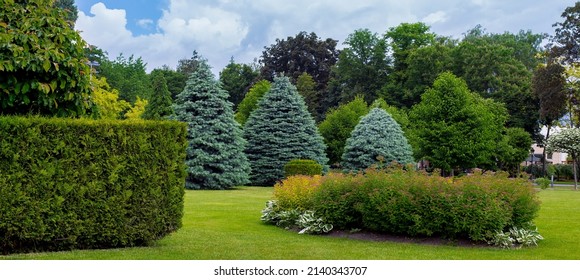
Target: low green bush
x,y
76,184
564,172
419,204
302,167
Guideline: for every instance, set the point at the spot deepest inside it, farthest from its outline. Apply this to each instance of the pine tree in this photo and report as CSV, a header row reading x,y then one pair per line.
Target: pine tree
x,y
279,130
215,154
159,105
377,137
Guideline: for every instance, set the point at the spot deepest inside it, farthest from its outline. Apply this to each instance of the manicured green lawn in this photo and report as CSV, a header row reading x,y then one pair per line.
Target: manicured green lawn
x,y
225,225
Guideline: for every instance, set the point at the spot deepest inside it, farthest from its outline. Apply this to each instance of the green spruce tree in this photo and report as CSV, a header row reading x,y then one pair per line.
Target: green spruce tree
x,y
159,106
215,154
279,130
376,138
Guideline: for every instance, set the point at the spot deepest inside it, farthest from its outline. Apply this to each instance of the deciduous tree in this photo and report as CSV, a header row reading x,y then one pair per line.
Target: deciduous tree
x,y
567,141
43,69
338,126
236,79
454,128
250,101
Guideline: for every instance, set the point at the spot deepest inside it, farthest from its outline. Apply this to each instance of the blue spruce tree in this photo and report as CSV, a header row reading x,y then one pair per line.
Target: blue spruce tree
x,y
377,137
279,130
215,154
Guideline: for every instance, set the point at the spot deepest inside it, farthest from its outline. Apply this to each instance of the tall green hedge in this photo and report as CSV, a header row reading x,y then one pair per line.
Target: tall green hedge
x,y
80,184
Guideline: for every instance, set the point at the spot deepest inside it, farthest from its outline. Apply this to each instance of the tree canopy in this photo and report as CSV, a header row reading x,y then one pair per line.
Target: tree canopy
x,y
43,69
454,128
302,53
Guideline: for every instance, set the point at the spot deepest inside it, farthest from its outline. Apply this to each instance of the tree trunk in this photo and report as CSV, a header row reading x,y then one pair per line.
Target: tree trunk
x,y
544,159
574,159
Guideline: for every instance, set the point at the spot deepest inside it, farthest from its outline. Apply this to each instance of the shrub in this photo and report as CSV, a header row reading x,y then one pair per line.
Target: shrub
x,y
302,167
416,204
564,172
78,184
543,183
337,199
296,192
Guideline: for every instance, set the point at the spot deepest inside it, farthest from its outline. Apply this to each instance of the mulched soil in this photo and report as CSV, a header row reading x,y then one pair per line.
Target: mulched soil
x,y
381,237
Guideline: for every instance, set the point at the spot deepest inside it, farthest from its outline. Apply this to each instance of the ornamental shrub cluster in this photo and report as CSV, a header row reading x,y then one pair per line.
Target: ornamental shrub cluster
x,y
84,184
414,203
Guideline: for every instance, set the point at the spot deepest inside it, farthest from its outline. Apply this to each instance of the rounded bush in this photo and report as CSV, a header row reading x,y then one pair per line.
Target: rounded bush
x,y
302,167
418,204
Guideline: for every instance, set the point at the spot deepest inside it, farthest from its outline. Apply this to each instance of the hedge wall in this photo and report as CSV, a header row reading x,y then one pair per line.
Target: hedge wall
x,y
83,184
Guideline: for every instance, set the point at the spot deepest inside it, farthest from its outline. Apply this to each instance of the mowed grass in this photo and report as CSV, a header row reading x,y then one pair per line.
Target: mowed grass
x,y
225,225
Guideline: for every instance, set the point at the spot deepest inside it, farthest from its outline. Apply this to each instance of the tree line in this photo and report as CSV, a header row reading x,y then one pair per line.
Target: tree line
x,y
520,83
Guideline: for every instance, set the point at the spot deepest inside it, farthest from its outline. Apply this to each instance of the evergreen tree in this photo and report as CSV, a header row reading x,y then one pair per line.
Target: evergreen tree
x,y
279,130
215,157
376,138
338,125
159,105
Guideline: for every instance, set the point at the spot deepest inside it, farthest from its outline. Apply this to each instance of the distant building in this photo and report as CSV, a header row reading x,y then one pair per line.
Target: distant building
x,y
536,152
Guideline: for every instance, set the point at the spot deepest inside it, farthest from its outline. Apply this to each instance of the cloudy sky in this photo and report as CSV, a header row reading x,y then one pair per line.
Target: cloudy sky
x,y
164,31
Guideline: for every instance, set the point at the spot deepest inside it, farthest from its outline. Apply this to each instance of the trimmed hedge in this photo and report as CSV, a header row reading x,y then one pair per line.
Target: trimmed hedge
x,y
79,184
302,167
414,203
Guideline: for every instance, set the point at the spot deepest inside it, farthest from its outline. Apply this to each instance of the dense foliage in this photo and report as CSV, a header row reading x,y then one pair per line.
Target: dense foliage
x,y
250,101
567,141
302,167
279,130
215,153
302,53
75,184
454,128
42,69
159,104
377,138
413,203
236,80
338,125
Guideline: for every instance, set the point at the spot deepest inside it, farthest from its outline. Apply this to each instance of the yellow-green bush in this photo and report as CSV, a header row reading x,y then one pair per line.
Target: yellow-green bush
x,y
296,192
415,203
68,184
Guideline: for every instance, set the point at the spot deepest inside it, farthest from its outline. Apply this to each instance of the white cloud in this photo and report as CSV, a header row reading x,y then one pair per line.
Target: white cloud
x,y
184,27
145,23
241,28
432,18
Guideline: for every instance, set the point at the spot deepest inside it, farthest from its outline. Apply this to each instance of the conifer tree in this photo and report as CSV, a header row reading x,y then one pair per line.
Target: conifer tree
x,y
279,130
159,105
377,137
215,155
